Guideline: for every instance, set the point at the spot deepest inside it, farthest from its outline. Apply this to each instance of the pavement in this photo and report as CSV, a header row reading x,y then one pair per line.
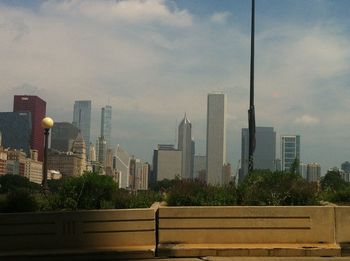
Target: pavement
x,y
75,258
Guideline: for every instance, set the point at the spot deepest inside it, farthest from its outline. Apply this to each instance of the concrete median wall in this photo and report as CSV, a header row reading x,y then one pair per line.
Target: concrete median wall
x,y
283,231
130,230
246,225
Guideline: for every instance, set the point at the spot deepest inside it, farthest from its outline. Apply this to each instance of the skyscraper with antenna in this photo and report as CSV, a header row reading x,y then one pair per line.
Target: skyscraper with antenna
x,y
185,145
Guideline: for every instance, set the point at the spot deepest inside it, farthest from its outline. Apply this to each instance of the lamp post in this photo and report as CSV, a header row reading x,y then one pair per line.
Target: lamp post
x,y
46,124
251,111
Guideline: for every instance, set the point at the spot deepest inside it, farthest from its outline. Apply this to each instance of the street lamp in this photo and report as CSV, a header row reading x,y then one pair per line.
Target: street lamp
x,y
251,111
46,124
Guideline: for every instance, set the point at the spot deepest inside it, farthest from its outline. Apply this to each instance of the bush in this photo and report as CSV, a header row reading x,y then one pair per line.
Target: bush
x,y
13,182
277,189
340,196
332,181
198,193
141,199
89,191
3,202
20,200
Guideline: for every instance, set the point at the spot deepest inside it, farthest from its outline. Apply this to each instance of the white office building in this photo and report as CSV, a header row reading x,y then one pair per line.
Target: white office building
x,y
216,137
290,150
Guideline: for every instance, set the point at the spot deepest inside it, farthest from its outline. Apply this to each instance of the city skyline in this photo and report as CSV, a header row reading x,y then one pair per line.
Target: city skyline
x,y
170,57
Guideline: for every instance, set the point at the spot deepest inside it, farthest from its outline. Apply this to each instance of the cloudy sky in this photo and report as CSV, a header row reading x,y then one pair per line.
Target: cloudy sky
x,y
154,60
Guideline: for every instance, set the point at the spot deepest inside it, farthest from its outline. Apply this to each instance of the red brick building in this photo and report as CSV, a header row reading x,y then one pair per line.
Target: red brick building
x,y
37,107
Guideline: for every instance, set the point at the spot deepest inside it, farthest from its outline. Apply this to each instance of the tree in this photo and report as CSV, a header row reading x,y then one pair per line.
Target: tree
x,y
332,181
88,191
13,182
294,168
263,187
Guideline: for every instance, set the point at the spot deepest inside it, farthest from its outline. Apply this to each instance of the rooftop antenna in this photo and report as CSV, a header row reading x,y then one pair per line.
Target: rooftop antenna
x,y
175,138
251,111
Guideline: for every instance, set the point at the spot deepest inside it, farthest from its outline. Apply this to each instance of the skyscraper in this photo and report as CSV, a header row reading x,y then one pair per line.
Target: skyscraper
x,y
82,119
37,107
346,166
313,172
63,135
16,130
290,150
216,137
102,150
167,162
185,145
265,150
106,124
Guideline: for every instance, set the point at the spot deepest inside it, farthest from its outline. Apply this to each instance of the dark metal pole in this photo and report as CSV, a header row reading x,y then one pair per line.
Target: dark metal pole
x,y
251,111
44,182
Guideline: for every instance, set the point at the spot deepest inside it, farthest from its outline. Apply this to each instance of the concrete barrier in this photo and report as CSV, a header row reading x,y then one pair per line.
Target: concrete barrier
x,y
342,229
126,233
177,231
247,231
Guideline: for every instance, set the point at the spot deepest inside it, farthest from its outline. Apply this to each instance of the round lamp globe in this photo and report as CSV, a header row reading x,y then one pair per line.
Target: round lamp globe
x,y
47,123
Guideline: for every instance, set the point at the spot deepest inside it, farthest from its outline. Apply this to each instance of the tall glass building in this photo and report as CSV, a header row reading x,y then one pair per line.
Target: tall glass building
x,y
216,137
290,150
265,150
106,124
82,120
16,130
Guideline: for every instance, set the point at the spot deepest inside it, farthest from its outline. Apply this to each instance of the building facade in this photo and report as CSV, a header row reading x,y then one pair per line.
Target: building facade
x,y
167,163
200,167
290,150
33,169
313,172
82,119
102,151
138,174
265,150
72,163
37,107
185,145
303,170
3,162
216,137
122,161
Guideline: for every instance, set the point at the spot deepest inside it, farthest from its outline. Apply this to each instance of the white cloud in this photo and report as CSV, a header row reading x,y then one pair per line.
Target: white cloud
x,y
131,11
307,120
220,17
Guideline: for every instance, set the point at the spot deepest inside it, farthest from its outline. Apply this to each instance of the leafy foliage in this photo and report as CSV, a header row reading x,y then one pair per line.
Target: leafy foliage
x,y
334,188
20,200
84,192
277,188
13,182
332,181
294,168
198,193
139,199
